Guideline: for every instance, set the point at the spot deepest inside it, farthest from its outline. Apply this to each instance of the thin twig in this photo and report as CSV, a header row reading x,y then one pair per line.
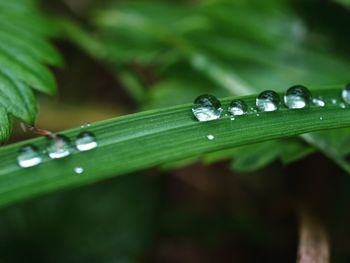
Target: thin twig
x,y
38,131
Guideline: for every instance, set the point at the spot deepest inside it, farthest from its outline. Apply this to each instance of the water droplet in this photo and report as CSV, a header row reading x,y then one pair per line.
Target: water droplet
x,y
85,125
334,101
59,147
268,101
321,118
319,102
237,108
253,110
78,170
297,97
257,115
346,94
85,141
29,156
210,137
232,118
342,105
207,108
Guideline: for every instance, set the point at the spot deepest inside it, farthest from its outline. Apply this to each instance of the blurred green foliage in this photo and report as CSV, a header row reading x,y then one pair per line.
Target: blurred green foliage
x,y
169,52
344,2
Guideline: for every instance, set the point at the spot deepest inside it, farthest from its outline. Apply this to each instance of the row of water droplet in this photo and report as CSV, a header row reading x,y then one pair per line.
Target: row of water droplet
x,y
208,107
59,146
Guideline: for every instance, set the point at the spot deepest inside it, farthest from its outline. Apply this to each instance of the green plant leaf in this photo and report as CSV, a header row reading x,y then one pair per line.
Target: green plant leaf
x,y
254,157
152,138
5,124
23,52
344,2
295,150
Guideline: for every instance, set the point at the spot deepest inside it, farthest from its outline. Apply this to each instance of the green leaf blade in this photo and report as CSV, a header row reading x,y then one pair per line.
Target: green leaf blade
x,y
150,139
18,99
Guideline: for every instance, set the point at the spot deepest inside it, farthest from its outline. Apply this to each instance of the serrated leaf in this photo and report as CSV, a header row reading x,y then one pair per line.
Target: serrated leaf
x,y
38,24
18,99
23,51
5,124
35,47
23,68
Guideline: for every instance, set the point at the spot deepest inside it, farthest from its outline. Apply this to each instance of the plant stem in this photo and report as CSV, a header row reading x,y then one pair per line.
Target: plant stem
x,y
39,131
313,240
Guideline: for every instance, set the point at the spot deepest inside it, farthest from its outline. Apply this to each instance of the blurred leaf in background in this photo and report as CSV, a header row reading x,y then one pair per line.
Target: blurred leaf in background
x,y
170,52
344,2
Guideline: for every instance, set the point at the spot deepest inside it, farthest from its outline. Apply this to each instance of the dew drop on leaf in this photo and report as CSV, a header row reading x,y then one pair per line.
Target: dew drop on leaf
x,y
29,156
211,137
268,101
253,109
85,125
85,141
59,147
237,108
297,97
346,94
78,170
319,102
206,108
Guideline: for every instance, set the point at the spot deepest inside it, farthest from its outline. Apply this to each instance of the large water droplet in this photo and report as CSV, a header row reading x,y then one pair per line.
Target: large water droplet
x,y
207,108
237,107
346,94
268,101
29,156
85,141
297,97
59,147
78,170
